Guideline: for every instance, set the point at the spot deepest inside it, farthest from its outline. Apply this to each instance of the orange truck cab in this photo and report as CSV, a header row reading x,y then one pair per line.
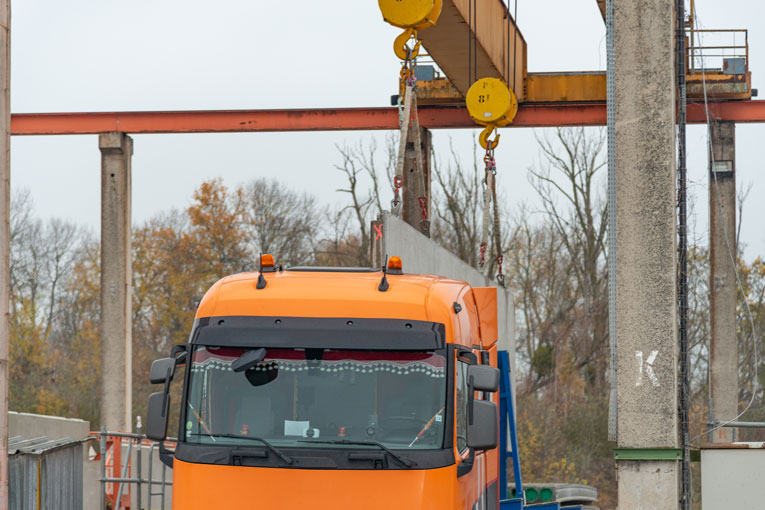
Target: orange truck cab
x,y
335,388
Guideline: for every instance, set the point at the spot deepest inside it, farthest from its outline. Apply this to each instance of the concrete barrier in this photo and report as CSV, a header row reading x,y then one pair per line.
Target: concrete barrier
x,y
30,426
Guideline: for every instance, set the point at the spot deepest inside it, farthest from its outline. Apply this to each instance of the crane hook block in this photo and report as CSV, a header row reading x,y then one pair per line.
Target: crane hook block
x,y
490,102
417,14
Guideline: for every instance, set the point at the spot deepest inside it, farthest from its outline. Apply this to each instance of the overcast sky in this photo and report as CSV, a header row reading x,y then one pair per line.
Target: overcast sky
x,y
111,55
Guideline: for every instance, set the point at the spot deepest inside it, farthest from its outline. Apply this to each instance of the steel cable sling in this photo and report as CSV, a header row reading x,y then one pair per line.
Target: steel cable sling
x,y
409,119
411,16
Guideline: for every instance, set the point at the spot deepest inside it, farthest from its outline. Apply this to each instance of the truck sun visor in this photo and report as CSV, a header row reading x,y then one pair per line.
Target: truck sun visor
x,y
319,332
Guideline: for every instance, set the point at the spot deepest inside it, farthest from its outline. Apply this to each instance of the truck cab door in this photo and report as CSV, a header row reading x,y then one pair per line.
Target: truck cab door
x,y
476,430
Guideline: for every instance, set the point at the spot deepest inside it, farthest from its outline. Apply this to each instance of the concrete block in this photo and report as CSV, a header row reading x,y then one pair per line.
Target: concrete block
x,y
113,141
652,484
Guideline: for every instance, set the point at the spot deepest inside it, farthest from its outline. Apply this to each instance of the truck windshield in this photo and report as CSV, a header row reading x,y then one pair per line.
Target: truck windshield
x,y
294,395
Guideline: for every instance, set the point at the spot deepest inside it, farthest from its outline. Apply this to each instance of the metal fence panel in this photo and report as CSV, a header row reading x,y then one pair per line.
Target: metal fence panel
x,y
45,475
61,479
22,482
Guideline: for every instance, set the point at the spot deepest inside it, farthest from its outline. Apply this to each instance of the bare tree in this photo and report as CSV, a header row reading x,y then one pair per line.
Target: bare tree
x,y
741,197
282,222
457,203
42,257
538,271
570,163
350,240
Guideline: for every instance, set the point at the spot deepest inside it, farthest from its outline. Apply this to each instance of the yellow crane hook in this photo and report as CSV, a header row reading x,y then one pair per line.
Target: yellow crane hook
x,y
483,138
411,15
400,48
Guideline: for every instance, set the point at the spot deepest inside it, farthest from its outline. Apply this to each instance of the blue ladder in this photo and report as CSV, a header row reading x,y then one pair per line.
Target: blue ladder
x,y
507,423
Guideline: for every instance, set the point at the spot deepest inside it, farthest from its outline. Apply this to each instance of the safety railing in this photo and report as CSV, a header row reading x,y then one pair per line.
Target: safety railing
x,y
122,456
709,47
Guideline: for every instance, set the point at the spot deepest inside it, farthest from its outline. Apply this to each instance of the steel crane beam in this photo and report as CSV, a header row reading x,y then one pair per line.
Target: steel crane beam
x,y
500,50
339,119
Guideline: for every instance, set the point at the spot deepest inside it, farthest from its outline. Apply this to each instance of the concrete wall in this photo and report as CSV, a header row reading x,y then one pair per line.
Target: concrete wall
x,y
423,256
30,426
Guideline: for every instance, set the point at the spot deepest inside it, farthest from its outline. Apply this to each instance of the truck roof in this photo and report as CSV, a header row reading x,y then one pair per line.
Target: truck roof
x,y
319,292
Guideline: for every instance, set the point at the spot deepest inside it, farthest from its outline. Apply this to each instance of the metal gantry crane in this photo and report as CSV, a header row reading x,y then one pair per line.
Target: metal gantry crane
x,y
545,99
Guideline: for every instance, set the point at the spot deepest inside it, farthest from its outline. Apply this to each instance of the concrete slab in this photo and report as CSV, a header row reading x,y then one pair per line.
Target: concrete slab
x,y
29,426
424,256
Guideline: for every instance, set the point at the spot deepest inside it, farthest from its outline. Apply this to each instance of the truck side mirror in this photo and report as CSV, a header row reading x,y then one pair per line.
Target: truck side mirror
x,y
483,430
485,378
159,370
157,413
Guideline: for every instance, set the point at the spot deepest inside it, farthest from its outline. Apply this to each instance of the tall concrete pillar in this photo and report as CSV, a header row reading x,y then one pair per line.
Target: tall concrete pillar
x,y
5,237
116,284
411,212
723,353
646,252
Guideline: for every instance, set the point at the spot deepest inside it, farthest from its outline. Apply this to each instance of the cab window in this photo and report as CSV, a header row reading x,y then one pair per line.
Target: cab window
x,y
462,405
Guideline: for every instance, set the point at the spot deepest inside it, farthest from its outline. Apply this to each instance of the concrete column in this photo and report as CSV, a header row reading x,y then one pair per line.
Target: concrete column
x,y
116,284
723,355
646,251
411,211
5,237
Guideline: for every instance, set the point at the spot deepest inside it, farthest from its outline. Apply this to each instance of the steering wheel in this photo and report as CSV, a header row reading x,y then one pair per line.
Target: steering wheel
x,y
404,422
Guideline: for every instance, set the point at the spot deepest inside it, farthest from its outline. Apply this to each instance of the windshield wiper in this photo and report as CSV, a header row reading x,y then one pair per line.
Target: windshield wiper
x,y
268,445
403,460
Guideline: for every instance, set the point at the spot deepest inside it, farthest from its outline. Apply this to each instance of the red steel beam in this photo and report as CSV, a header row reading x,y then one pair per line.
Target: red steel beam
x,y
337,119
749,111
328,119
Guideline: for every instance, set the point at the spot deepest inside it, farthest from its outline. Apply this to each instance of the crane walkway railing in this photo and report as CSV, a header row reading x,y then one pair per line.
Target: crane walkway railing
x,y
718,46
